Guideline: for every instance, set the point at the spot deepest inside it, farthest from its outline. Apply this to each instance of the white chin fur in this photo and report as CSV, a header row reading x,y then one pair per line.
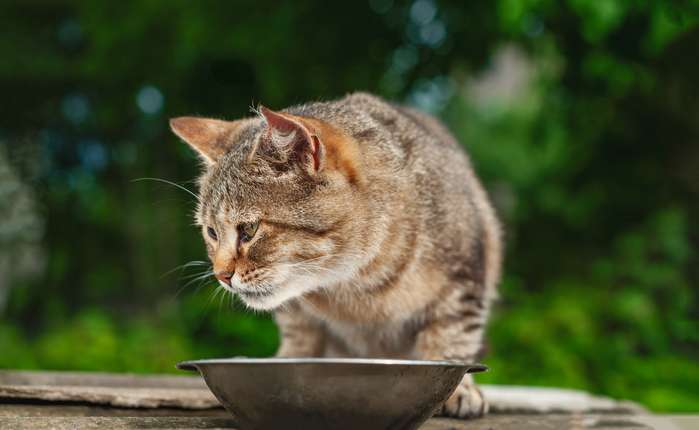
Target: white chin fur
x,y
261,303
280,296
289,286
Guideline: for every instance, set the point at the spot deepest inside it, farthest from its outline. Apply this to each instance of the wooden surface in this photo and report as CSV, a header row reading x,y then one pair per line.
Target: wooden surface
x,y
119,390
20,416
190,392
81,401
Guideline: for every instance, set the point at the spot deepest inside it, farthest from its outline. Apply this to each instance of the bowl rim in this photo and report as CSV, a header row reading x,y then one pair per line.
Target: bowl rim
x,y
194,364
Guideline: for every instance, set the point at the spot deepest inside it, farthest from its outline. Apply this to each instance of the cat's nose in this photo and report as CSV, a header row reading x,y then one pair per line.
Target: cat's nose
x,y
224,277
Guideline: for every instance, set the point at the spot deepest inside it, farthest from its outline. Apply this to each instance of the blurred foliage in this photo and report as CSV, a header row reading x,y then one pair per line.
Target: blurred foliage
x,y
582,117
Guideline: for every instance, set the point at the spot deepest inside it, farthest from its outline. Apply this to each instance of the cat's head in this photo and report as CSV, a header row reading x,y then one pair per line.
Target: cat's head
x,y
279,201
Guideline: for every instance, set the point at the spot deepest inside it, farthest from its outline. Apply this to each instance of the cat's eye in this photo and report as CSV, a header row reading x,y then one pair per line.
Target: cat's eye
x,y
247,230
212,233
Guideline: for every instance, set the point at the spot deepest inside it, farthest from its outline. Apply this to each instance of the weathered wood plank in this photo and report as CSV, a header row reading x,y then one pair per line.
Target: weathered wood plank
x,y
20,416
183,392
500,422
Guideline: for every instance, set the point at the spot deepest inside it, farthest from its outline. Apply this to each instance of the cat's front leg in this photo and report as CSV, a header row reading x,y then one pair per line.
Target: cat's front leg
x,y
455,332
467,401
299,335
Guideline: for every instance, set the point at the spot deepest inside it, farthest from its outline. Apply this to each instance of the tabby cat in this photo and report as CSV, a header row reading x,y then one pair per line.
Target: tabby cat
x,y
359,223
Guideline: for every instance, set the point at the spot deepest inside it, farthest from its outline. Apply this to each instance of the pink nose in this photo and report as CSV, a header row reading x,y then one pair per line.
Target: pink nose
x,y
224,277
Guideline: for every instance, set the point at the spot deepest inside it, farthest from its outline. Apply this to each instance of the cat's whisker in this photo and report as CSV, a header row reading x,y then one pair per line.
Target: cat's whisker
x,y
221,299
185,266
198,277
219,289
202,277
165,181
208,272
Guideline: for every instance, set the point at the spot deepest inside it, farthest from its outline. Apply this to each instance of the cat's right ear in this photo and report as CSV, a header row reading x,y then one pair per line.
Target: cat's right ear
x,y
206,136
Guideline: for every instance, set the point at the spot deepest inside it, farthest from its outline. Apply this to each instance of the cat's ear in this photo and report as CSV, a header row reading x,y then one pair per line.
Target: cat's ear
x,y
206,136
296,137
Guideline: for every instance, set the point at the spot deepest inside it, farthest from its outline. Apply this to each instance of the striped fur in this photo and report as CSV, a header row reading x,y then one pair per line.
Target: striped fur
x,y
376,238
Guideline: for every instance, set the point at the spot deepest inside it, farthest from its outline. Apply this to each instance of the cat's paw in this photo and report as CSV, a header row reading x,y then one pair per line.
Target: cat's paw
x,y
466,402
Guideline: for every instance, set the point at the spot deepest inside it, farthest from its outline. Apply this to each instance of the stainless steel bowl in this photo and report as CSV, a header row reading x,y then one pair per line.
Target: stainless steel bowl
x,y
329,393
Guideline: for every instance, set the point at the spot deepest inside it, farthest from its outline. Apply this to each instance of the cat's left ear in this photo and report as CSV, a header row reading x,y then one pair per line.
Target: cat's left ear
x,y
296,137
207,136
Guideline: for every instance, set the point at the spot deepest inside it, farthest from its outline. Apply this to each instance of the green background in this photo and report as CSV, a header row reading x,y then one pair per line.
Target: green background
x,y
582,117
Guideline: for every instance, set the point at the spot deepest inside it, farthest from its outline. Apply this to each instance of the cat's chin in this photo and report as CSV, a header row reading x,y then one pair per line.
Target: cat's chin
x,y
271,300
261,302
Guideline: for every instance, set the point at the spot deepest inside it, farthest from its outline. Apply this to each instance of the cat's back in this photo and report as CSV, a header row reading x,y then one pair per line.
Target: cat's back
x,y
409,143
393,137
420,188
451,197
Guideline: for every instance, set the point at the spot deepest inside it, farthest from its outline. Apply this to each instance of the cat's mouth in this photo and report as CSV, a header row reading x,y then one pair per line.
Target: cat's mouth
x,y
262,299
270,291
252,295
247,290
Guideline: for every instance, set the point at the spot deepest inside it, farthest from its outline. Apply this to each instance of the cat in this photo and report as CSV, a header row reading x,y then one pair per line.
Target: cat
x,y
360,223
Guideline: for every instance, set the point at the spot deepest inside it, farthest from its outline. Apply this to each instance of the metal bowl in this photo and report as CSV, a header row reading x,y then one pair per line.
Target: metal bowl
x,y
329,393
